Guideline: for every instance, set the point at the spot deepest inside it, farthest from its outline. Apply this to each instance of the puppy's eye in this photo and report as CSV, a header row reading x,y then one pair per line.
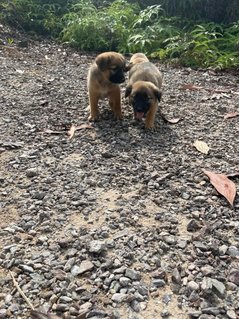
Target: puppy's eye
x,y
113,67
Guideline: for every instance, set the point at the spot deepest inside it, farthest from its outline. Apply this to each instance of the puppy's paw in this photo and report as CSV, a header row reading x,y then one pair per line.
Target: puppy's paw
x,y
118,117
93,118
150,127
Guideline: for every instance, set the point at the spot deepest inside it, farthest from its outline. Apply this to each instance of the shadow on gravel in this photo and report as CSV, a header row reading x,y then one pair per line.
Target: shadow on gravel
x,y
127,134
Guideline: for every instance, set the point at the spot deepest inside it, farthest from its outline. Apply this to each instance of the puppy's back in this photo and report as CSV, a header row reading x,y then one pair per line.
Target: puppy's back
x,y
145,71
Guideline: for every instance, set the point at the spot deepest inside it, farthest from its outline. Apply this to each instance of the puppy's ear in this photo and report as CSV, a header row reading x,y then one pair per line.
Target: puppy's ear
x,y
128,67
128,90
102,62
158,94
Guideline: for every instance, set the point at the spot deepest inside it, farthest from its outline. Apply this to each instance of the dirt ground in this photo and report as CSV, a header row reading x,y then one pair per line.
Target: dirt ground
x,y
159,239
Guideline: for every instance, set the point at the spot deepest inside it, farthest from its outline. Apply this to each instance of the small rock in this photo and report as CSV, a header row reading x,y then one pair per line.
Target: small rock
x,y
158,283
193,225
219,287
206,284
8,298
39,195
86,265
207,270
169,239
124,281
3,313
32,172
26,268
176,276
65,299
165,313
132,274
96,246
13,307
167,298
42,239
200,245
181,243
118,297
193,285
231,314
61,307
138,306
185,196
222,250
234,276
194,314
233,251
211,311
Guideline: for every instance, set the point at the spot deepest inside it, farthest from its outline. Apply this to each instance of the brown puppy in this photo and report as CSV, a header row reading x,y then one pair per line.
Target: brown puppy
x,y
104,77
144,88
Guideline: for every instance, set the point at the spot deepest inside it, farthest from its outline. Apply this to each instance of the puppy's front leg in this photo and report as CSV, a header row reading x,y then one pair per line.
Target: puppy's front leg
x,y
115,102
94,112
150,117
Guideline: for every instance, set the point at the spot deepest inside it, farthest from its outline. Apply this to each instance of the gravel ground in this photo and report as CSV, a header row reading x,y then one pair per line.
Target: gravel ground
x,y
116,222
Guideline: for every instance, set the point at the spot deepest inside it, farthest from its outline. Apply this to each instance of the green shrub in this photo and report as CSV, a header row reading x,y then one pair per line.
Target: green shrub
x,y
108,28
208,45
42,17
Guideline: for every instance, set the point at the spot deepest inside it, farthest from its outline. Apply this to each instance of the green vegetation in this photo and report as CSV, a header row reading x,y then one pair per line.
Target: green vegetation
x,y
186,32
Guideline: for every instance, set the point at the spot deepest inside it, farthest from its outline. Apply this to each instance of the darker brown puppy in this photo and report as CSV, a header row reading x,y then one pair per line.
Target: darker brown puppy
x,y
104,77
144,88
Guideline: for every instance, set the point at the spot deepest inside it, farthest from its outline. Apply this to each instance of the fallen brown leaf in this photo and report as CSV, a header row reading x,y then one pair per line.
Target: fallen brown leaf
x,y
223,185
74,128
201,146
230,115
71,131
85,126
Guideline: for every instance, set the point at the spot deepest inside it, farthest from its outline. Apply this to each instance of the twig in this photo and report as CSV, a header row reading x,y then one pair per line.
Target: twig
x,y
20,291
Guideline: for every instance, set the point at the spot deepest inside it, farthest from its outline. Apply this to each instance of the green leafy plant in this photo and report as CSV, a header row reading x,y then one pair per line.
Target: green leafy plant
x,y
150,29
36,16
208,45
107,28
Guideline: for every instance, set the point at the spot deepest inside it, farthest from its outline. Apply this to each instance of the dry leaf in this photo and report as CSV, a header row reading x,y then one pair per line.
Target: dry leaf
x,y
84,126
191,87
71,131
230,115
74,128
223,185
174,120
201,146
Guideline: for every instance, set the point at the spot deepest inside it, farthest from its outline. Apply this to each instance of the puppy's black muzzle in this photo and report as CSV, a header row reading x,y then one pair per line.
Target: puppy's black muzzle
x,y
117,77
140,105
